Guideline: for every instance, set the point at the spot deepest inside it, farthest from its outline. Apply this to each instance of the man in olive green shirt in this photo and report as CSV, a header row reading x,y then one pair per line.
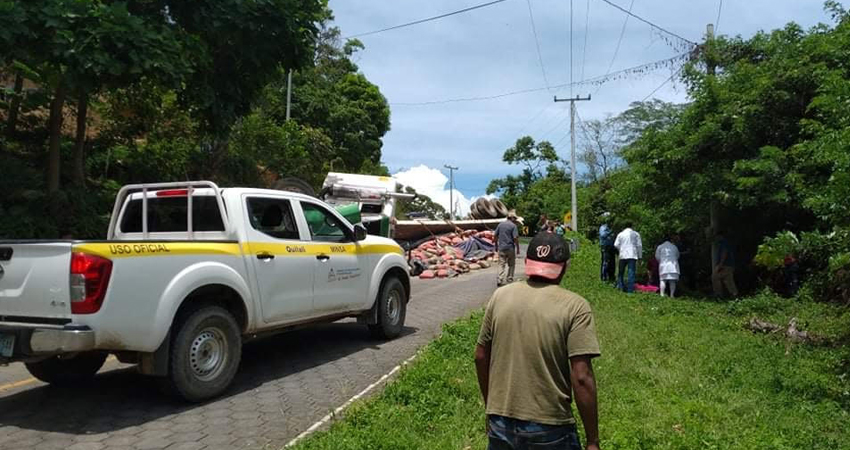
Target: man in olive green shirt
x,y
534,355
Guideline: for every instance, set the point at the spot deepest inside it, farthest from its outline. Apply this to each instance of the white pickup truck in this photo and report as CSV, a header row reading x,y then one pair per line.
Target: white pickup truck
x,y
187,274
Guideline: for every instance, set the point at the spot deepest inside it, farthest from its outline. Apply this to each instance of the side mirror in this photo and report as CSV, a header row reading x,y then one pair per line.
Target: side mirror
x,y
359,232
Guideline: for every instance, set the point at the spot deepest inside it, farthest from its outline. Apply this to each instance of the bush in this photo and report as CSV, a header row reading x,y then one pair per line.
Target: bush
x,y
820,260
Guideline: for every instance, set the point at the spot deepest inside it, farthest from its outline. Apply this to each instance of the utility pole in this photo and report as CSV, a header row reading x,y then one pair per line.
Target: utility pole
x,y
451,189
288,94
714,208
574,213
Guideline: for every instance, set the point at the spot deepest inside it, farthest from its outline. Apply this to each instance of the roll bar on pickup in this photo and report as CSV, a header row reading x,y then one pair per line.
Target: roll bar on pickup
x,y
189,186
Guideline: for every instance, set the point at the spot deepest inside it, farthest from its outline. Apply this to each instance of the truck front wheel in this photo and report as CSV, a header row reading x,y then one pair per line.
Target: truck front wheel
x,y
392,309
67,371
204,355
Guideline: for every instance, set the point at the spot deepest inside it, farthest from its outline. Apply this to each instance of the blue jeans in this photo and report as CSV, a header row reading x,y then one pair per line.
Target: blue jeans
x,y
512,434
630,263
606,270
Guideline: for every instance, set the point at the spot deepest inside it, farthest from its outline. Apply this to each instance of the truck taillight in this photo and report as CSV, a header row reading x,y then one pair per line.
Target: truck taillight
x,y
89,280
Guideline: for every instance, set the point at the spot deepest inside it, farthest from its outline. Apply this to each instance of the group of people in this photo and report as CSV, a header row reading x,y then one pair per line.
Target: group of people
x,y
664,269
627,248
552,226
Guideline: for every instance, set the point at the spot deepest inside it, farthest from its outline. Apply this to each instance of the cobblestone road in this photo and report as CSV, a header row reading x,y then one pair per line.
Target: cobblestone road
x,y
285,384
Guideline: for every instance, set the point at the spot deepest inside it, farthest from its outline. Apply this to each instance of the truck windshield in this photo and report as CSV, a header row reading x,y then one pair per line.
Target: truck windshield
x,y
168,215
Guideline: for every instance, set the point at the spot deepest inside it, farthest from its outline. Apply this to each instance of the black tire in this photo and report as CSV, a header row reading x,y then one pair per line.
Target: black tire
x,y
392,309
68,371
486,208
293,184
501,209
206,347
474,212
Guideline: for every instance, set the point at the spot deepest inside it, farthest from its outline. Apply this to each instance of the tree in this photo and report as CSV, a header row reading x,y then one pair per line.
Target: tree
x,y
535,157
241,45
421,205
78,46
765,139
642,116
331,96
600,153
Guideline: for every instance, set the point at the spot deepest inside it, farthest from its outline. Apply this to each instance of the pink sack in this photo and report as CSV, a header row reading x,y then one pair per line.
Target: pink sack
x,y
646,288
428,274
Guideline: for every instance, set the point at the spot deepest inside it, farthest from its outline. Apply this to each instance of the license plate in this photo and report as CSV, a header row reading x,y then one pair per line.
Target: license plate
x,y
7,344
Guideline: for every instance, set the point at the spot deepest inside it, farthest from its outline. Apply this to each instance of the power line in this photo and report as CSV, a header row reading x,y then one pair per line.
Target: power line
x,y
535,117
663,84
719,10
619,41
553,129
586,32
657,27
639,69
429,19
537,43
571,48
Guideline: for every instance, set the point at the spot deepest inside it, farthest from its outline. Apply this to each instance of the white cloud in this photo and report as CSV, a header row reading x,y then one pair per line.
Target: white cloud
x,y
434,184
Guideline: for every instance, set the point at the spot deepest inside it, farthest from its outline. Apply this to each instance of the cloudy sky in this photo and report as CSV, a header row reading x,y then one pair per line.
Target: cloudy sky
x,y
491,51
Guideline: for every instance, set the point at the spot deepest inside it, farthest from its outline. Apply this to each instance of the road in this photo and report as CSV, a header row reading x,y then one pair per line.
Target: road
x,y
286,383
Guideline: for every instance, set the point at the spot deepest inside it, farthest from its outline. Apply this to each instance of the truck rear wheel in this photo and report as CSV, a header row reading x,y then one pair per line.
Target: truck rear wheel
x,y
392,309
67,371
205,352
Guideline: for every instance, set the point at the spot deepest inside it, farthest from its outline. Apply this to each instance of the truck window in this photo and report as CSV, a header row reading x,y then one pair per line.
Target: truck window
x,y
272,216
324,226
168,215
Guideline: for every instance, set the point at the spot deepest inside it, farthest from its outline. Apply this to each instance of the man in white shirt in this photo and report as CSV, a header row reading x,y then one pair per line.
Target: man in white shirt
x,y
667,255
629,245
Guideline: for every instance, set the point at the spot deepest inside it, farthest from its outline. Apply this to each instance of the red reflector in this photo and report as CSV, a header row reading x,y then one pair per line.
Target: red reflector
x,y
89,280
173,193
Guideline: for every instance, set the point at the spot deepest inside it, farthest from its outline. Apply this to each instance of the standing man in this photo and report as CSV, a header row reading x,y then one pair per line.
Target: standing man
x,y
534,356
723,273
507,244
630,247
543,224
609,253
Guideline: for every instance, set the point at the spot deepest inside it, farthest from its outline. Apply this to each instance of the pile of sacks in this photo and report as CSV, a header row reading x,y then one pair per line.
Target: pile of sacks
x,y
452,254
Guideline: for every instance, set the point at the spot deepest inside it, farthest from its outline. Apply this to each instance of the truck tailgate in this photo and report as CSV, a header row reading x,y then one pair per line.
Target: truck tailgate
x,y
34,281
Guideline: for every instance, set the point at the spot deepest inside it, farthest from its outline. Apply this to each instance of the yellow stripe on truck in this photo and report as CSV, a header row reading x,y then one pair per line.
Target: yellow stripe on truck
x,y
304,249
126,250
119,249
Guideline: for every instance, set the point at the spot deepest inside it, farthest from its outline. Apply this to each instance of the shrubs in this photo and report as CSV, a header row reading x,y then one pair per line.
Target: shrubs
x,y
821,260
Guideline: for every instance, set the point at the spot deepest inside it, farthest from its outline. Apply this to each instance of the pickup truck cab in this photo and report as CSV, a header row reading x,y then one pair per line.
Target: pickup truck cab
x,y
187,273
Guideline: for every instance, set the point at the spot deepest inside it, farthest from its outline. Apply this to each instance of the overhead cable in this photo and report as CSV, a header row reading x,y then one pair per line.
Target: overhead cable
x,y
586,32
571,48
717,22
429,19
619,41
657,27
537,43
663,84
635,70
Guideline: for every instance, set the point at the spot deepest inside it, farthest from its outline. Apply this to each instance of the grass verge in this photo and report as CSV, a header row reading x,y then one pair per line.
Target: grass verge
x,y
675,374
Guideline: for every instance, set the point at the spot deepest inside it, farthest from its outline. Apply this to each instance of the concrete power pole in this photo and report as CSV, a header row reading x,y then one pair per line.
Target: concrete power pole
x,y
451,189
574,209
288,93
714,208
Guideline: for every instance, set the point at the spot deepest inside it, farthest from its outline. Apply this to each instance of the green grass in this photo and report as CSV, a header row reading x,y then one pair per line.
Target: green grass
x,y
675,374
